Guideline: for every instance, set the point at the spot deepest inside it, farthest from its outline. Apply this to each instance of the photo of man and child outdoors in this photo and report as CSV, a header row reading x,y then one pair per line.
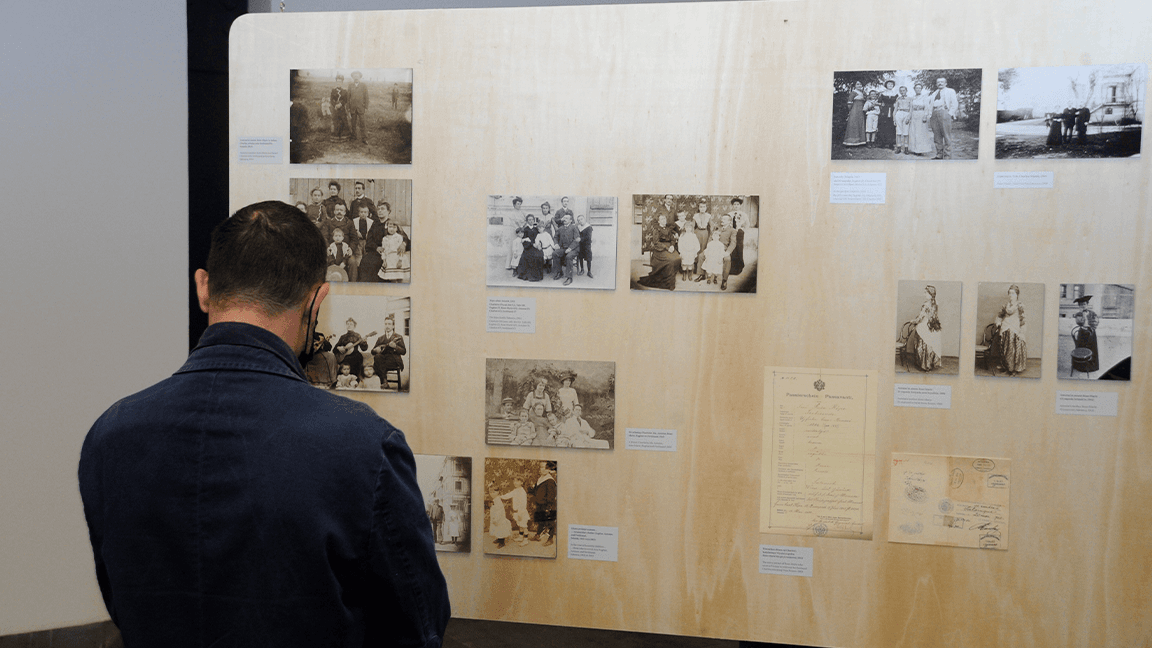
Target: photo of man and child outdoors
x,y
520,507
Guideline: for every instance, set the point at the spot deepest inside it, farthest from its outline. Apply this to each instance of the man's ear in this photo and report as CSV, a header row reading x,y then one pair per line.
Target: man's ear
x,y
320,295
201,277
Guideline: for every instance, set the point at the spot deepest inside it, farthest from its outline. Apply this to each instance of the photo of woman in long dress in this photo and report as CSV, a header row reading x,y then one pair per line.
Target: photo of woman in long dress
x,y
664,259
919,132
854,135
925,339
1009,329
928,327
886,130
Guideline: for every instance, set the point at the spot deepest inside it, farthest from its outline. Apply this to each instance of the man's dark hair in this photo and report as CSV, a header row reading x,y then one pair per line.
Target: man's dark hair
x,y
268,254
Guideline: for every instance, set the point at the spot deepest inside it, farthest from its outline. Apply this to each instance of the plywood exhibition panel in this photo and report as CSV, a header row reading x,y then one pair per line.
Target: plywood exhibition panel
x,y
737,99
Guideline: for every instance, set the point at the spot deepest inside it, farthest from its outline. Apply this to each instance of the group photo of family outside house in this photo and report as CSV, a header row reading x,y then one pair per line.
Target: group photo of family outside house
x,y
551,241
913,114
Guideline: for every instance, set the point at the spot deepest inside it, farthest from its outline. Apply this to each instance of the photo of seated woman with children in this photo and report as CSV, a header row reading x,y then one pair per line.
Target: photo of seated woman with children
x,y
344,358
520,507
366,223
696,243
555,404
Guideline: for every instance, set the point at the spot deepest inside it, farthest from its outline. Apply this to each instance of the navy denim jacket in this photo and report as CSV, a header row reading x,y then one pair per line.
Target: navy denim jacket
x,y
234,504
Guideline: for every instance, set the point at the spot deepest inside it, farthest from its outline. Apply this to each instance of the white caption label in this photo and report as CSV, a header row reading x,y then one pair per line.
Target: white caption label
x,y
511,315
1024,180
858,188
786,561
1087,403
593,542
930,396
650,439
261,150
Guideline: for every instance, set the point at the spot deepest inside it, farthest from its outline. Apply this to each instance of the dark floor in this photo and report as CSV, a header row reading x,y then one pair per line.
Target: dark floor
x,y
470,633
462,633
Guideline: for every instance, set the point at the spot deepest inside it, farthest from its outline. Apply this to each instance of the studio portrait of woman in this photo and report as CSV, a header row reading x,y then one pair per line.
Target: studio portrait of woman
x,y
928,327
1011,334
924,340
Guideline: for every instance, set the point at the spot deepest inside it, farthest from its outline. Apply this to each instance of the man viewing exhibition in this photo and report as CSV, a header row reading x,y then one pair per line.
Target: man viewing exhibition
x,y
234,504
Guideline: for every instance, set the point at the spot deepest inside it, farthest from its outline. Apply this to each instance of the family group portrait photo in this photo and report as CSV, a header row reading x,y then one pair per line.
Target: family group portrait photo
x,y
362,343
906,114
695,243
446,484
1009,329
366,223
551,241
350,116
520,507
1095,329
928,327
1077,111
551,403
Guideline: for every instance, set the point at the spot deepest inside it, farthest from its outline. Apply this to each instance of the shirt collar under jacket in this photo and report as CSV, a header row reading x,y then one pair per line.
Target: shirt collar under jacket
x,y
244,347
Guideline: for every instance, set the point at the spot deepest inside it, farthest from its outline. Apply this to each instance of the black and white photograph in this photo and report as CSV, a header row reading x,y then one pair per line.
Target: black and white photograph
x,y
552,241
695,243
1095,329
906,114
520,507
1072,112
362,344
1009,329
351,116
366,223
550,403
928,327
446,484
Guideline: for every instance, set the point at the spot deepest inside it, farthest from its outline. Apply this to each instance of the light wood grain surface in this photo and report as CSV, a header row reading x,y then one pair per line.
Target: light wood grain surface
x,y
736,98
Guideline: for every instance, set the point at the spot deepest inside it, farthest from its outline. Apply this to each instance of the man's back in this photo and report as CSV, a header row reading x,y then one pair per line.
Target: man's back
x,y
236,505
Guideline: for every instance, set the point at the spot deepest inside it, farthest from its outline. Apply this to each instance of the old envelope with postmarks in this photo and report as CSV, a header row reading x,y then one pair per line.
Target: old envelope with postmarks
x,y
950,501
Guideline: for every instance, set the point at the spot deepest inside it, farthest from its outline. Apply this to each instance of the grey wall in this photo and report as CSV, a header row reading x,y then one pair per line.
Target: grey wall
x,y
93,149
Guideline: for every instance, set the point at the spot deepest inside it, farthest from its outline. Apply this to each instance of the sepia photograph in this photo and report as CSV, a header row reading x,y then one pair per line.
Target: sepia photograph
x,y
1009,329
1079,111
552,241
551,403
520,507
446,484
695,243
366,223
906,114
345,359
928,327
347,116
1095,329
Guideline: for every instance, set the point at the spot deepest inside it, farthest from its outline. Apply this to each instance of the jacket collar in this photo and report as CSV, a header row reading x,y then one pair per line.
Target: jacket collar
x,y
239,346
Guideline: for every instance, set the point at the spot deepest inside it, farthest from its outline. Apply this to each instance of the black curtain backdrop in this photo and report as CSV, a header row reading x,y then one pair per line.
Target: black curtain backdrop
x,y
208,25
